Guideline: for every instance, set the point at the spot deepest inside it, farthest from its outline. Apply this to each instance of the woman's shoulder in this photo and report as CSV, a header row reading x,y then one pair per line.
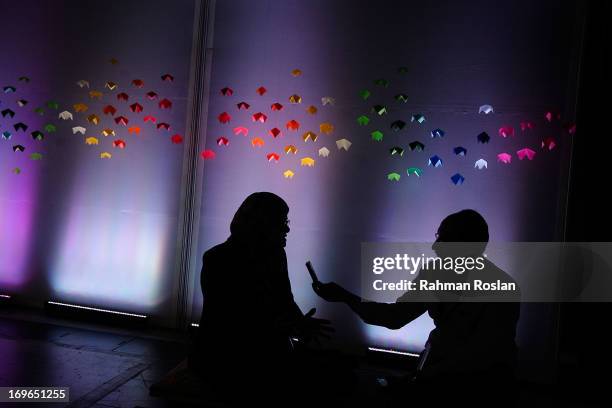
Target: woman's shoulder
x,y
218,251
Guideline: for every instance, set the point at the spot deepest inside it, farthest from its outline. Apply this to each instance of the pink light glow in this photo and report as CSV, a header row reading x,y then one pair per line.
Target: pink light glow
x,y
16,226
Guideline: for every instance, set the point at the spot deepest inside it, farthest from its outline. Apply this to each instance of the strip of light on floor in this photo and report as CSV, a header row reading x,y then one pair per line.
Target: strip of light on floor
x,y
403,353
5,296
95,309
381,350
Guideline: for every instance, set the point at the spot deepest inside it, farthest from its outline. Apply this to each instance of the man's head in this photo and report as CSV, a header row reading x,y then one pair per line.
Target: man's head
x,y
463,226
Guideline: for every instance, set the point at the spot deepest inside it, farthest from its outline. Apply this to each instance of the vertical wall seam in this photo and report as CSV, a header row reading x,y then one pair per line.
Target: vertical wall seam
x,y
192,172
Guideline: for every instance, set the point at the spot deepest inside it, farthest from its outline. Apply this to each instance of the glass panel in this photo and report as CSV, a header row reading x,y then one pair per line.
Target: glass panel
x,y
77,227
418,74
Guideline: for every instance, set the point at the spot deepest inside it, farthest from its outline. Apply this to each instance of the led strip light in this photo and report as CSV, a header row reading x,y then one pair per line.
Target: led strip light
x,y
381,350
403,353
95,309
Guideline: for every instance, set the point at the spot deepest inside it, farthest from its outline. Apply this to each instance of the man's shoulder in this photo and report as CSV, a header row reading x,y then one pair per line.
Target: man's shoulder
x,y
494,272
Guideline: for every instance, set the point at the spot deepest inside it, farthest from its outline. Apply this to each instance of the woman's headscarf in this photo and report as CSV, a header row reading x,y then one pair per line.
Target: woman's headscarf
x,y
257,217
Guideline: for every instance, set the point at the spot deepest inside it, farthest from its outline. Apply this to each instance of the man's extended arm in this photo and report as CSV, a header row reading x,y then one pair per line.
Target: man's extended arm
x,y
389,315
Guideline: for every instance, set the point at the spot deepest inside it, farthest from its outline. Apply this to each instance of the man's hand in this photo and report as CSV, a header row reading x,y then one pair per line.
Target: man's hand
x,y
332,292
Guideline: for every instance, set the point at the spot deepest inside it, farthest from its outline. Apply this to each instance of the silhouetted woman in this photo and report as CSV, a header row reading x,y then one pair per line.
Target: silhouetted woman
x,y
249,315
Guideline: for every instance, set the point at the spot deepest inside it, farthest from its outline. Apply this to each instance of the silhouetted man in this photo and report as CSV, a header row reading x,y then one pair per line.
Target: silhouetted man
x,y
470,355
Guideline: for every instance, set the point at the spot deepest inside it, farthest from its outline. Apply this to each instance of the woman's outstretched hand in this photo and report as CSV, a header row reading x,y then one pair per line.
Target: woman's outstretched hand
x,y
311,328
331,291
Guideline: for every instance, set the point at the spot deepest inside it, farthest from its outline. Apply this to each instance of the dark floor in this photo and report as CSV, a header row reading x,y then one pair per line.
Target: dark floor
x,y
111,367
102,369
104,366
